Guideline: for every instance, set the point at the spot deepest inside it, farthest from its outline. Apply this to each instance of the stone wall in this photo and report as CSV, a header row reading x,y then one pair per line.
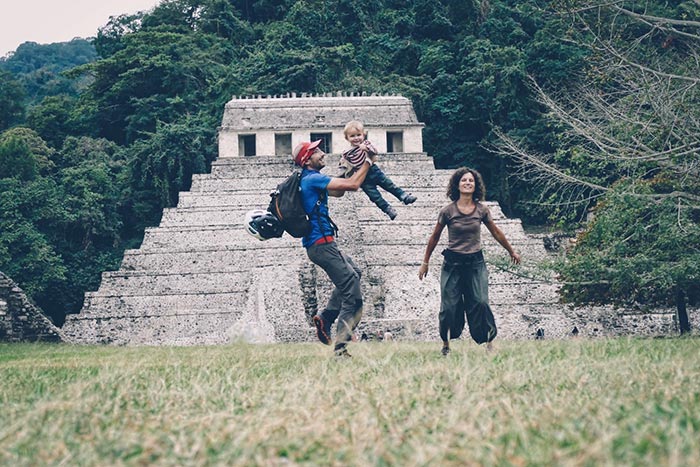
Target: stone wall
x,y
20,320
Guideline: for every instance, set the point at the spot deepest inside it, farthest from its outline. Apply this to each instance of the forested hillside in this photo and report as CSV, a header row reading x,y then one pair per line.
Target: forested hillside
x,y
39,68
82,172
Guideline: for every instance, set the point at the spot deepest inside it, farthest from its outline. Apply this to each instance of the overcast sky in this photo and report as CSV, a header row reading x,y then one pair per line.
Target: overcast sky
x,y
47,21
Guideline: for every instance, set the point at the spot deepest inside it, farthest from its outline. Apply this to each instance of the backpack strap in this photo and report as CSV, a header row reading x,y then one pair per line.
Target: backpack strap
x,y
317,212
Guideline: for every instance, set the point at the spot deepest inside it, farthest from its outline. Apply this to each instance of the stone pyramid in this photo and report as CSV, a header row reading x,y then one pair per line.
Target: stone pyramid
x,y
199,278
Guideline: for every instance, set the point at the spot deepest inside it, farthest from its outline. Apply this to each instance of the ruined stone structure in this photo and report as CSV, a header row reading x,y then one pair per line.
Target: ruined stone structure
x,y
273,126
199,278
20,320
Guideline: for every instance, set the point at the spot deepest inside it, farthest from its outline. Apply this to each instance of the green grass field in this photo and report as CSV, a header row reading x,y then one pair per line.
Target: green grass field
x,y
577,402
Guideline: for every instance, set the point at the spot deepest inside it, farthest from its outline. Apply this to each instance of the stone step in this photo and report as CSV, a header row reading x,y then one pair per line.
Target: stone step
x,y
429,203
235,215
215,259
403,286
258,198
271,165
223,236
422,229
226,238
408,181
427,206
241,199
409,256
418,232
165,283
152,304
278,169
265,160
193,217
205,327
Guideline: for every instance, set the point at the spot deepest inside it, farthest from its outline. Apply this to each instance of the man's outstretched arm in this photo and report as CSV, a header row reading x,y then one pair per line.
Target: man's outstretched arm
x,y
338,186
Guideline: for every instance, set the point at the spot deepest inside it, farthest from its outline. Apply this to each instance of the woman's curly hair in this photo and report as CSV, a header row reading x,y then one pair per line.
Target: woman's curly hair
x,y
479,187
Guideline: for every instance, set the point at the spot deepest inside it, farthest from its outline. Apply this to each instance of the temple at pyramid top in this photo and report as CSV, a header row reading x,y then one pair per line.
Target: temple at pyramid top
x,y
272,126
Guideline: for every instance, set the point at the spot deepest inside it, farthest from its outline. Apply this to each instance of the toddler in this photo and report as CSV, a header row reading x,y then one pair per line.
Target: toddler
x,y
354,157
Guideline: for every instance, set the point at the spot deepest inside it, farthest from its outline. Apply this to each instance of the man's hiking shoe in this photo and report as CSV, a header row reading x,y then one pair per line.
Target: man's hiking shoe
x,y
323,330
391,212
445,351
409,199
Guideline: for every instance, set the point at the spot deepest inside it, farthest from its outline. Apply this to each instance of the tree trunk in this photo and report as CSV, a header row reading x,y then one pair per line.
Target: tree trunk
x,y
682,312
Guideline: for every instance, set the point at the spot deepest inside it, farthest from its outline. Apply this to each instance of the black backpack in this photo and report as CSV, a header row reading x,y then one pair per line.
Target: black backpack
x,y
286,205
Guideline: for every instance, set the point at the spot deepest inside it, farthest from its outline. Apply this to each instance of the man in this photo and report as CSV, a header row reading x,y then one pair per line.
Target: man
x,y
345,303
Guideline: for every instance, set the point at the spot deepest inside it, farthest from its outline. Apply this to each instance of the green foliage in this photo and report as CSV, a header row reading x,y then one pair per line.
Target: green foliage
x,y
162,165
219,19
626,141
60,223
635,251
16,159
11,100
23,154
52,119
26,254
39,68
154,76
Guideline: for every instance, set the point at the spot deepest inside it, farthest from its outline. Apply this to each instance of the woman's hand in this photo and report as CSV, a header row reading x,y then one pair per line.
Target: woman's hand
x,y
515,258
423,271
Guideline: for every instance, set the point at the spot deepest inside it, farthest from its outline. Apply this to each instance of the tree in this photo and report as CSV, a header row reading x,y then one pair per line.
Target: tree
x,y
154,76
26,254
162,165
40,68
23,154
11,100
52,119
58,232
631,147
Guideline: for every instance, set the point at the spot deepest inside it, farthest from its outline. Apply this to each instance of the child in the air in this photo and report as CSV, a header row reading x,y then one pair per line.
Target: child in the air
x,y
354,157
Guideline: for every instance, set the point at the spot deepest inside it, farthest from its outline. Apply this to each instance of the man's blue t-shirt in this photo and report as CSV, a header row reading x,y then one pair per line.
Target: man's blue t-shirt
x,y
313,184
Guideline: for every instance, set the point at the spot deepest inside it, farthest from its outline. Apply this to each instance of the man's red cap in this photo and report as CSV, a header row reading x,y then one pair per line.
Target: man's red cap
x,y
303,151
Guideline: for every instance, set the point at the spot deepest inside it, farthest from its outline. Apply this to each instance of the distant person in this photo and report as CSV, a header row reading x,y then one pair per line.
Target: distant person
x,y
361,150
345,303
464,277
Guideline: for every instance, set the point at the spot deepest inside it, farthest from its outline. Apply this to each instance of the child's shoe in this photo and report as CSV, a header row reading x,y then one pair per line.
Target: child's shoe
x,y
391,212
409,199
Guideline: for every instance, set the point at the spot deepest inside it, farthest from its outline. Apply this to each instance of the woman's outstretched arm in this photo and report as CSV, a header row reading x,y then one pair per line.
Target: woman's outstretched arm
x,y
432,243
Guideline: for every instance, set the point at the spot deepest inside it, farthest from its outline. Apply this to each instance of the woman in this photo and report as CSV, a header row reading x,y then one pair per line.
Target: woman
x,y
464,278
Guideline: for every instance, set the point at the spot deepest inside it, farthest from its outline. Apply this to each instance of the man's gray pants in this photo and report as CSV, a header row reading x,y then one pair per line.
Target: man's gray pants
x,y
345,303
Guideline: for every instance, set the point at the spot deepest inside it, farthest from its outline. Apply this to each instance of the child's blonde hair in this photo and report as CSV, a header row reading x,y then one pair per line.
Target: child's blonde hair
x,y
353,125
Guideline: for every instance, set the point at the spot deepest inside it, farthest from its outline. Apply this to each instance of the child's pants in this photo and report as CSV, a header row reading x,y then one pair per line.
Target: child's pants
x,y
375,177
